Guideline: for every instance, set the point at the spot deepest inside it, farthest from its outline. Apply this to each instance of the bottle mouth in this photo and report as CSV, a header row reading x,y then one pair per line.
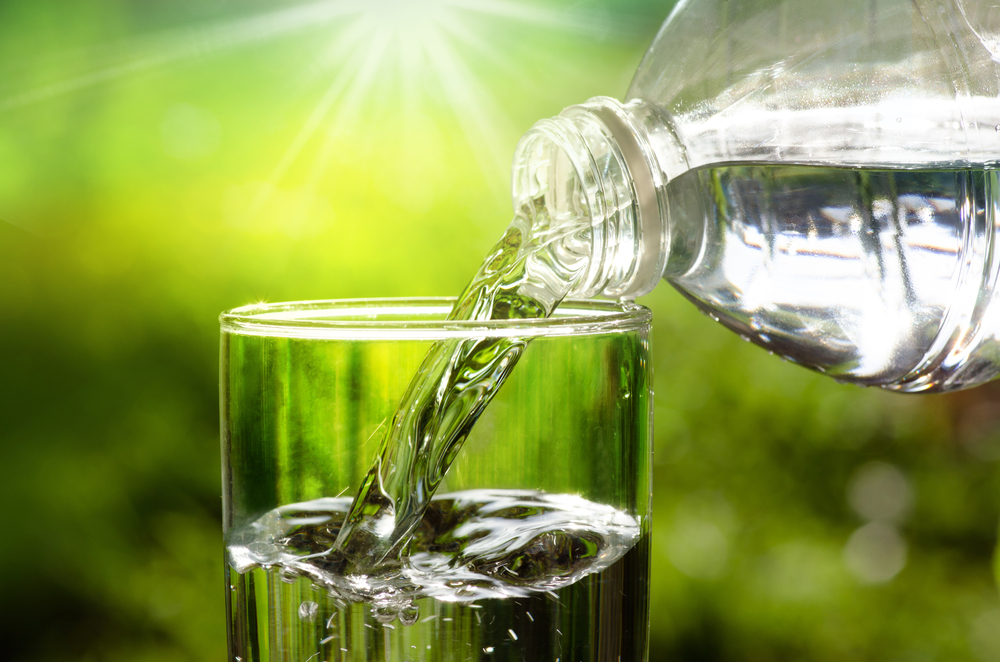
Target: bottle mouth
x,y
591,160
651,259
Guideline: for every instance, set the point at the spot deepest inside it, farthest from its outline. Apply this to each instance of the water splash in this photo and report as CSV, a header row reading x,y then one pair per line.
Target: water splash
x,y
467,546
534,266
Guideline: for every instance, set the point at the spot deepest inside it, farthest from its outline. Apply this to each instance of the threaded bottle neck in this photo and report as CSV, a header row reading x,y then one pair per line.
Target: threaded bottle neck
x,y
594,162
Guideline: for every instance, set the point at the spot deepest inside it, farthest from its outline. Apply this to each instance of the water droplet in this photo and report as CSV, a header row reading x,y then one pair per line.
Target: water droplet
x,y
765,337
308,610
530,617
513,635
488,650
899,119
745,337
713,317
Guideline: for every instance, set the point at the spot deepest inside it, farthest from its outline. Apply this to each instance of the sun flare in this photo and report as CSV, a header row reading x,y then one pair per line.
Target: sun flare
x,y
371,44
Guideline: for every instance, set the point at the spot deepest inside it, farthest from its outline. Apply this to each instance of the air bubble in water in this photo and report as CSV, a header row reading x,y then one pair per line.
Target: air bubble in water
x,y
385,614
409,615
308,610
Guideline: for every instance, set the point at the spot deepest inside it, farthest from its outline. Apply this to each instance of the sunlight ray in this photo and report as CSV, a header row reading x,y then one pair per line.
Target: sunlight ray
x,y
595,23
411,57
361,27
319,113
527,79
347,114
472,107
175,46
305,134
472,40
432,36
352,70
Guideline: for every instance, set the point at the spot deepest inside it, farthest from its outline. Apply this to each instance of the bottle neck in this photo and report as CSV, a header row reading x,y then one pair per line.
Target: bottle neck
x,y
606,164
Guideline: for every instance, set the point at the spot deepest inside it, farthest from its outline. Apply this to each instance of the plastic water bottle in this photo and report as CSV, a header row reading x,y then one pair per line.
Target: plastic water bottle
x,y
820,178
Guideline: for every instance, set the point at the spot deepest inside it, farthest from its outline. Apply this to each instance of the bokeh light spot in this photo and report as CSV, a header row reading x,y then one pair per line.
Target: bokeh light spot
x,y
875,553
879,490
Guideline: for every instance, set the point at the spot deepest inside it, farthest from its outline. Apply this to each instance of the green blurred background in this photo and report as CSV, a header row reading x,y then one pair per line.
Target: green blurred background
x,y
162,161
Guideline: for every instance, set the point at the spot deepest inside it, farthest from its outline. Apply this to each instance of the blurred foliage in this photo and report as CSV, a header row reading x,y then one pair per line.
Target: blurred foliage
x,y
147,183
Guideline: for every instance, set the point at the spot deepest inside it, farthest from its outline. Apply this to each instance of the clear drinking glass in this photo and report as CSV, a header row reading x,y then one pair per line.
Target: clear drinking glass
x,y
536,544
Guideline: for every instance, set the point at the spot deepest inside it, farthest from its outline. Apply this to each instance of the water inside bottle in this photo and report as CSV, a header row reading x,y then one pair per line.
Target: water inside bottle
x,y
873,275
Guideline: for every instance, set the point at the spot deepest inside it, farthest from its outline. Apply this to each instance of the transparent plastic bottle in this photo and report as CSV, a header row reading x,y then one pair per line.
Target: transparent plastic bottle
x,y
820,178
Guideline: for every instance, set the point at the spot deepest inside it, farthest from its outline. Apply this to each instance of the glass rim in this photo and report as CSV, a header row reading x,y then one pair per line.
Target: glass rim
x,y
323,319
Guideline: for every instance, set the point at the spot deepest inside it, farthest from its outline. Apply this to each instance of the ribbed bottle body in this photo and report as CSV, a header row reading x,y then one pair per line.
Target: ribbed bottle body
x,y
835,195
878,276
